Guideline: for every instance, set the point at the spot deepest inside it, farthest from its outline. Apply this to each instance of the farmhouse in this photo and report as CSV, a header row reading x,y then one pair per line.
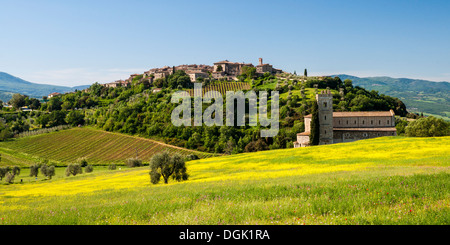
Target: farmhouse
x,y
119,83
337,127
194,75
53,95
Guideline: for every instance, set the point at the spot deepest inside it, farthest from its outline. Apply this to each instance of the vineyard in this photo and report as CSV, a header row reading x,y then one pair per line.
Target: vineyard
x,y
222,88
99,147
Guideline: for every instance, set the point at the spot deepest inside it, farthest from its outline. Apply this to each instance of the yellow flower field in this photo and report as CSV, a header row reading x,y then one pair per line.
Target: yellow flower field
x,y
372,163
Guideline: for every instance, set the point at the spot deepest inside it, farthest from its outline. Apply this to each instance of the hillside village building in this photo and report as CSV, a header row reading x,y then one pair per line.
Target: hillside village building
x,y
119,83
228,68
337,127
53,95
262,68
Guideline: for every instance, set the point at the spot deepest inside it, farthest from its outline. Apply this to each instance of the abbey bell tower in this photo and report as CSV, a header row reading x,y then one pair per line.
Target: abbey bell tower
x,y
325,105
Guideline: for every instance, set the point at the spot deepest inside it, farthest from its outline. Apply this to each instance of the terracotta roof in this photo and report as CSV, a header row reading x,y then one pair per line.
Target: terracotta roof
x,y
310,116
364,114
304,134
387,129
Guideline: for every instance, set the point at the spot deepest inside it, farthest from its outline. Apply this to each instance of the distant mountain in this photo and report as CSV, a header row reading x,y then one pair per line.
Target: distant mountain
x,y
10,84
429,97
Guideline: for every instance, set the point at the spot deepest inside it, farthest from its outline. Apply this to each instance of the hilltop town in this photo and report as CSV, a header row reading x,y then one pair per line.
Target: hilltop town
x,y
222,70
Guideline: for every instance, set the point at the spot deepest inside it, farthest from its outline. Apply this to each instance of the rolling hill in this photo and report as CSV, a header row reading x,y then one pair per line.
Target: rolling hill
x,y
10,84
431,98
97,146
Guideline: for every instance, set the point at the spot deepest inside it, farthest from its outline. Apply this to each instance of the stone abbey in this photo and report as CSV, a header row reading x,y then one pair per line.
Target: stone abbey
x,y
337,127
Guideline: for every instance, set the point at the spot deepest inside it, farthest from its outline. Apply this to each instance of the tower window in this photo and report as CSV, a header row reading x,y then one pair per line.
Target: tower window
x,y
388,122
379,122
325,117
325,104
347,121
371,122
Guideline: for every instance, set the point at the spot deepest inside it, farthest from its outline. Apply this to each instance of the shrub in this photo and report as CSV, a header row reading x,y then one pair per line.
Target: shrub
x,y
112,166
74,169
82,161
89,169
192,157
133,162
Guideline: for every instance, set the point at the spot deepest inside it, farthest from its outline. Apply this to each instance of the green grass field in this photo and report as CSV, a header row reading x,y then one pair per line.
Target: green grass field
x,y
389,180
98,147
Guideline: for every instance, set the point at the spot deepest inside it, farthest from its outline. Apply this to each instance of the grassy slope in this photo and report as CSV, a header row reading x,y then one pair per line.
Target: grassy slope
x,y
99,147
390,180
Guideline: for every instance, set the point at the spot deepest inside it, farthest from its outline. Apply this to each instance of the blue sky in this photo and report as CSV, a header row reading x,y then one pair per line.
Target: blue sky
x,y
80,42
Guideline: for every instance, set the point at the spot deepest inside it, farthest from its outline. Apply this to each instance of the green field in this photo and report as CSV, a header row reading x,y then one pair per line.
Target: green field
x,y
389,180
98,147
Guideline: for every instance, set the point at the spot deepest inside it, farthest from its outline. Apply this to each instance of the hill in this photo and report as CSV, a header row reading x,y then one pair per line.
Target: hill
x,y
389,180
12,84
99,147
5,96
419,95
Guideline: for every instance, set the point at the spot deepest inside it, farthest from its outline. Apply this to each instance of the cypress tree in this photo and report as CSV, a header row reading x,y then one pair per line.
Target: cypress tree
x,y
306,73
315,130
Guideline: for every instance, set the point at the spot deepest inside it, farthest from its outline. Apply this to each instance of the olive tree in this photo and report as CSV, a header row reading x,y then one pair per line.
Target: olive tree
x,y
48,171
166,166
10,177
34,170
9,173
3,172
15,170
89,169
74,169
